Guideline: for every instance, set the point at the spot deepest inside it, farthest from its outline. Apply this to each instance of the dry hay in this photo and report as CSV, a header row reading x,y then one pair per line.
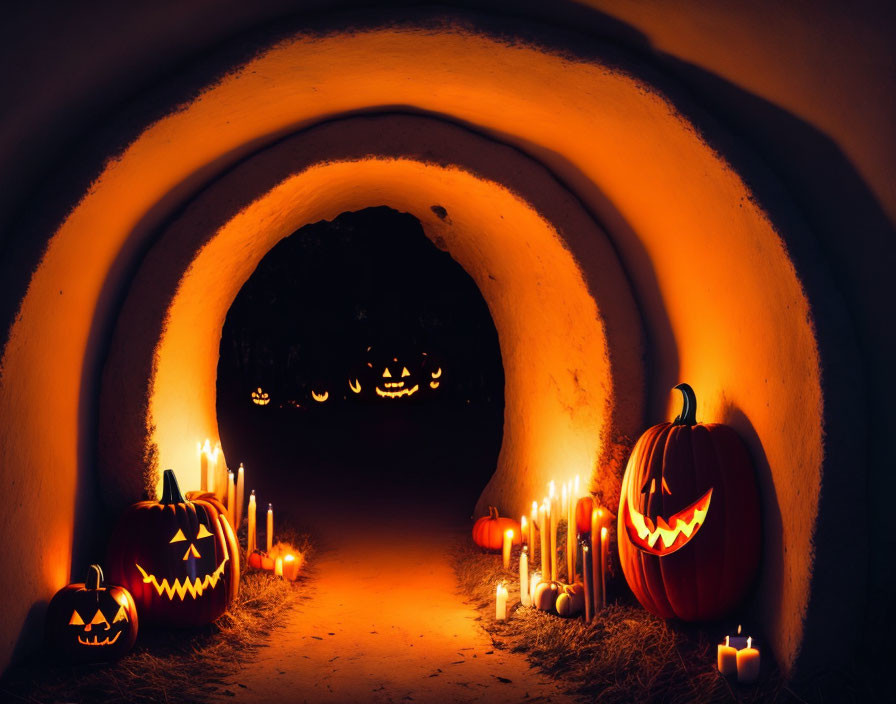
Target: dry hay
x,y
625,654
176,666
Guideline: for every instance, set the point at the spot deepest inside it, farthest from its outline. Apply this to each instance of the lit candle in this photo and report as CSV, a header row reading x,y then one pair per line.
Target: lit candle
x,y
291,568
564,499
278,567
220,472
501,603
533,522
270,527
251,538
543,525
533,586
231,500
524,577
508,543
555,519
524,530
596,519
210,466
587,579
748,663
571,538
726,658
240,496
604,554
203,468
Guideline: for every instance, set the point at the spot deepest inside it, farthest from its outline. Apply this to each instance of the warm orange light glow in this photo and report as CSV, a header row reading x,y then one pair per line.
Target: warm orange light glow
x,y
671,535
320,398
260,398
354,386
623,144
433,384
436,374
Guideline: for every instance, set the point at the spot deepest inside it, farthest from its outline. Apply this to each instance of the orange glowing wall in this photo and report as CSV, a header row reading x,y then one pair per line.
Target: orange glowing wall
x,y
718,298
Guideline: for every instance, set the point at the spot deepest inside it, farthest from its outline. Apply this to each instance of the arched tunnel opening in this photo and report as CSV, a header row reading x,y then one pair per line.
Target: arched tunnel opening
x,y
358,354
575,208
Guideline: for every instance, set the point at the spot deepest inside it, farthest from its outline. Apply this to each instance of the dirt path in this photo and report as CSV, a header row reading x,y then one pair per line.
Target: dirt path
x,y
386,624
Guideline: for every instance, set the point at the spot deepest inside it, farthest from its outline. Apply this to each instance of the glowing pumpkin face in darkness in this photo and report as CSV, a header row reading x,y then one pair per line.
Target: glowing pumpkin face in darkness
x,y
396,386
689,505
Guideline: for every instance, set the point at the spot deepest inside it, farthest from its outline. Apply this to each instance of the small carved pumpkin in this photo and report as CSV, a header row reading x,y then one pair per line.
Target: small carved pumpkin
x,y
178,558
90,622
571,600
260,398
689,524
488,531
545,597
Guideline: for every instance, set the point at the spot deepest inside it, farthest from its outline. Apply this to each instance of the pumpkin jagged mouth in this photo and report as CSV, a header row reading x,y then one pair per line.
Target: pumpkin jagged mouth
x,y
400,392
96,640
193,587
665,537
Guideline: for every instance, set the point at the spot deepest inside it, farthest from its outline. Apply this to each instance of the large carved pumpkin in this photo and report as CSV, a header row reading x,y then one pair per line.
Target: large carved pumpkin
x,y
178,558
488,531
688,525
91,622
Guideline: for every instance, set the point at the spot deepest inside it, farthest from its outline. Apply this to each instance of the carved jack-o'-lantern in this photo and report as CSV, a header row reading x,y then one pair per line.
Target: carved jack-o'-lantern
x,y
178,558
688,526
397,385
320,396
260,398
90,622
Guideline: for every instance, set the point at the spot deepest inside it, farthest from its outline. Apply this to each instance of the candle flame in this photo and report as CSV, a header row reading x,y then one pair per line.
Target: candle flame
x,y
738,629
509,533
289,558
523,523
552,489
534,507
749,642
727,641
577,485
603,533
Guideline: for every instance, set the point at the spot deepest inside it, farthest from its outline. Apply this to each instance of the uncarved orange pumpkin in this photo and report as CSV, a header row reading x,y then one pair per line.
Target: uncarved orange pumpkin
x,y
689,522
488,531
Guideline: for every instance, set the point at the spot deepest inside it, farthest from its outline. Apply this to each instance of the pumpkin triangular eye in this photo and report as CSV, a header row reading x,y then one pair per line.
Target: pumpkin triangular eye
x,y
76,619
405,372
98,619
178,537
203,532
122,615
387,374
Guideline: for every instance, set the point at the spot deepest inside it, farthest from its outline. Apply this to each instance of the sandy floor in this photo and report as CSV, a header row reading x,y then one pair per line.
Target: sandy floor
x,y
386,624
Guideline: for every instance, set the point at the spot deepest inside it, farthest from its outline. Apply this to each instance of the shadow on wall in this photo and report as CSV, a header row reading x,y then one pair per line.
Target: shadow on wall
x,y
771,567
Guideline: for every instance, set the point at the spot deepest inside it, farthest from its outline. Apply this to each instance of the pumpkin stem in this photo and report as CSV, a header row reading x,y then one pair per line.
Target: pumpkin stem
x,y
94,578
170,490
688,415
493,513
